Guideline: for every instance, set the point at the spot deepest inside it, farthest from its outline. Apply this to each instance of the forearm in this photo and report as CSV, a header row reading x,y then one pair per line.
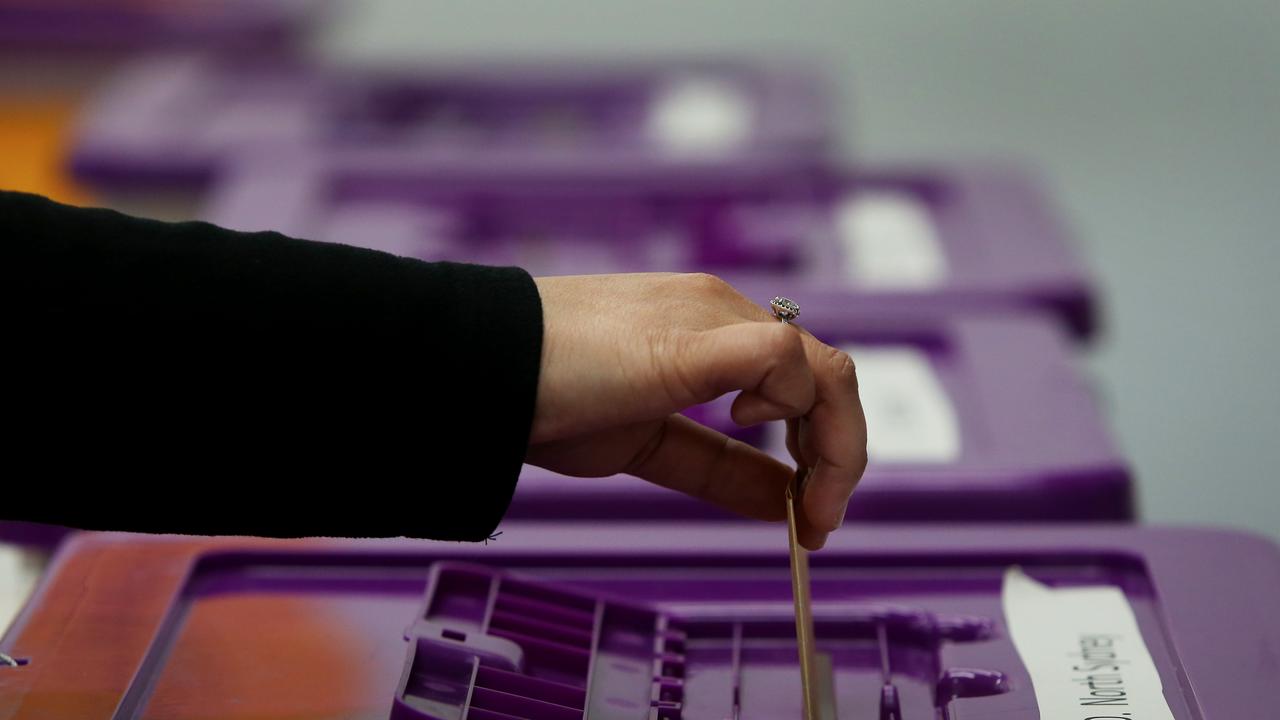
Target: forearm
x,y
184,352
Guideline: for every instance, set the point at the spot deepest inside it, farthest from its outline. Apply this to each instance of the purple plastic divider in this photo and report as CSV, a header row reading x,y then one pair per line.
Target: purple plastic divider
x,y
168,120
1030,443
913,618
570,655
975,237
980,234
34,535
159,124
531,650
140,25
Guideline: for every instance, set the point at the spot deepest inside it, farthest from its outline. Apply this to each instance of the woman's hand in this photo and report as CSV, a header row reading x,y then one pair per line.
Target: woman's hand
x,y
623,354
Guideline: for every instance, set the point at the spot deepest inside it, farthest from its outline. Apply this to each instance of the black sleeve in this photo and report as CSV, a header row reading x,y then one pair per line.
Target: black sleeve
x,y
185,378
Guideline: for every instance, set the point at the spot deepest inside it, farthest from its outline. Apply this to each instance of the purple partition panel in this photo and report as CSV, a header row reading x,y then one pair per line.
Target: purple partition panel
x,y
953,236
135,25
971,417
32,535
175,120
940,238
1003,426
666,622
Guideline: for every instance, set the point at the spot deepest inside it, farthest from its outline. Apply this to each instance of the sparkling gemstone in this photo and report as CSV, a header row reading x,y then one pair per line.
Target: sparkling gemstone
x,y
785,308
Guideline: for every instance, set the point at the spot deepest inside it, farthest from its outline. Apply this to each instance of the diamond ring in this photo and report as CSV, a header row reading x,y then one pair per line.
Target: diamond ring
x,y
784,309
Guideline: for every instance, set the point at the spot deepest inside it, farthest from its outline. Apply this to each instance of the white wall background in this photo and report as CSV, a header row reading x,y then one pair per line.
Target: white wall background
x,y
1157,122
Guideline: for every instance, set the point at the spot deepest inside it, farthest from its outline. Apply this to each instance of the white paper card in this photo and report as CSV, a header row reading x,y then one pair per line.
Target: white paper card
x,y
1083,650
889,241
910,417
699,116
19,573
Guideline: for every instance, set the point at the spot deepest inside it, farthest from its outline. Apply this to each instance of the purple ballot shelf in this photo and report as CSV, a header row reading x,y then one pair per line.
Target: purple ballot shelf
x,y
972,418
68,48
667,622
937,238
141,25
55,53
173,121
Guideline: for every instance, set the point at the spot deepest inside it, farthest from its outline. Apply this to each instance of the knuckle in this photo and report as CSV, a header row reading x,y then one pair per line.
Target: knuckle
x,y
707,283
842,368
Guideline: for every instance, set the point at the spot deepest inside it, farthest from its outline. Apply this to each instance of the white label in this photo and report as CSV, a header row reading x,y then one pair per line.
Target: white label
x,y
910,417
1083,650
699,116
889,241
19,572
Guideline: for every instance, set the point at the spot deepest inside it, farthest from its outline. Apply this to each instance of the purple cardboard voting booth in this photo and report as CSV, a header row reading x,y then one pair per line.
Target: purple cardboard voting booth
x,y
71,45
175,121
144,24
653,622
54,53
971,418
33,535
927,238
976,413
